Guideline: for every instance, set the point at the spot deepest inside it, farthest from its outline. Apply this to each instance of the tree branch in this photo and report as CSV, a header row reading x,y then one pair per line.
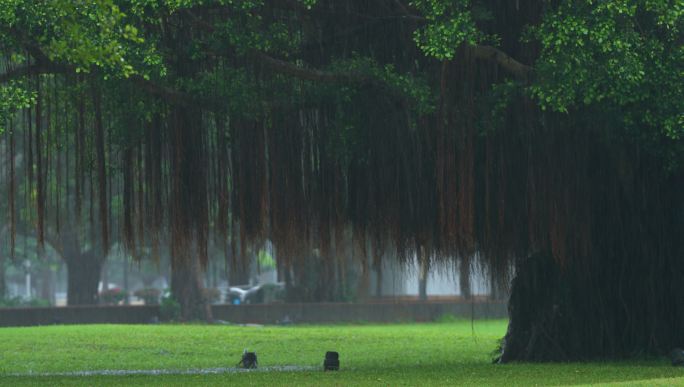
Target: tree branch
x,y
508,63
406,12
289,68
517,69
166,93
38,68
45,65
295,71
20,72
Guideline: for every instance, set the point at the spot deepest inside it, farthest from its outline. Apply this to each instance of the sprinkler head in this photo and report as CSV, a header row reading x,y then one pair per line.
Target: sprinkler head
x,y
332,361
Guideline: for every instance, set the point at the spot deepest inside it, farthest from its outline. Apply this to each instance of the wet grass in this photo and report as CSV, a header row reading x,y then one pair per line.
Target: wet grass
x,y
450,353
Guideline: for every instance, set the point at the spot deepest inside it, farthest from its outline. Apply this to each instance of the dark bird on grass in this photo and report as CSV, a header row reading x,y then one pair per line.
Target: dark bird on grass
x,y
249,360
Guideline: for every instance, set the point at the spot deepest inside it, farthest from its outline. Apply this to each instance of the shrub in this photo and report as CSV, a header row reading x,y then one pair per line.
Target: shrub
x,y
37,303
169,308
211,295
149,295
112,296
11,302
20,302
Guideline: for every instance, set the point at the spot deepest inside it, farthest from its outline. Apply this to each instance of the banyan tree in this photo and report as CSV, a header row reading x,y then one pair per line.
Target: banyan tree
x,y
540,134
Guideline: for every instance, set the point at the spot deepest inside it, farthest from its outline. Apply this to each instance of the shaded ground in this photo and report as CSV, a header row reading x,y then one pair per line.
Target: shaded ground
x,y
450,353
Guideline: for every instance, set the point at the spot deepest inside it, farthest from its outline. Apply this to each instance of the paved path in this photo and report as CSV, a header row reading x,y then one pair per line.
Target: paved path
x,y
197,371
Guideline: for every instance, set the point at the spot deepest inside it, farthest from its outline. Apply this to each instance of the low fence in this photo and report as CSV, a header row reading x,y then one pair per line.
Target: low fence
x,y
260,313
94,314
353,312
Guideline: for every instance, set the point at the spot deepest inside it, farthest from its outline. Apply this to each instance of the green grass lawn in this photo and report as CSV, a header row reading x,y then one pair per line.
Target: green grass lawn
x,y
454,353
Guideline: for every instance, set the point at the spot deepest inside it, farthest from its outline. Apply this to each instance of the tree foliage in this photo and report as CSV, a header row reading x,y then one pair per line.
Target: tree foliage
x,y
623,58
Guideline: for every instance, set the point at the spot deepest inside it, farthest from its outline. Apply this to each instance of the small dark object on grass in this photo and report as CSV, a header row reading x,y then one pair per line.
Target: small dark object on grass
x,y
249,360
332,361
677,357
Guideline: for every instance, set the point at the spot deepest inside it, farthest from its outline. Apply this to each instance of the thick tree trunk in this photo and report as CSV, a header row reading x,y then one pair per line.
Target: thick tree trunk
x,y
83,276
465,286
286,276
238,274
126,285
83,267
187,288
422,288
3,281
105,276
189,208
363,291
326,281
424,271
189,215
294,291
378,282
47,288
239,268
610,309
3,285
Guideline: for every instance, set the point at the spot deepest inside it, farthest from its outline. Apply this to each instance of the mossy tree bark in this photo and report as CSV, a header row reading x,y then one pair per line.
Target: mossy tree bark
x,y
558,315
626,299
